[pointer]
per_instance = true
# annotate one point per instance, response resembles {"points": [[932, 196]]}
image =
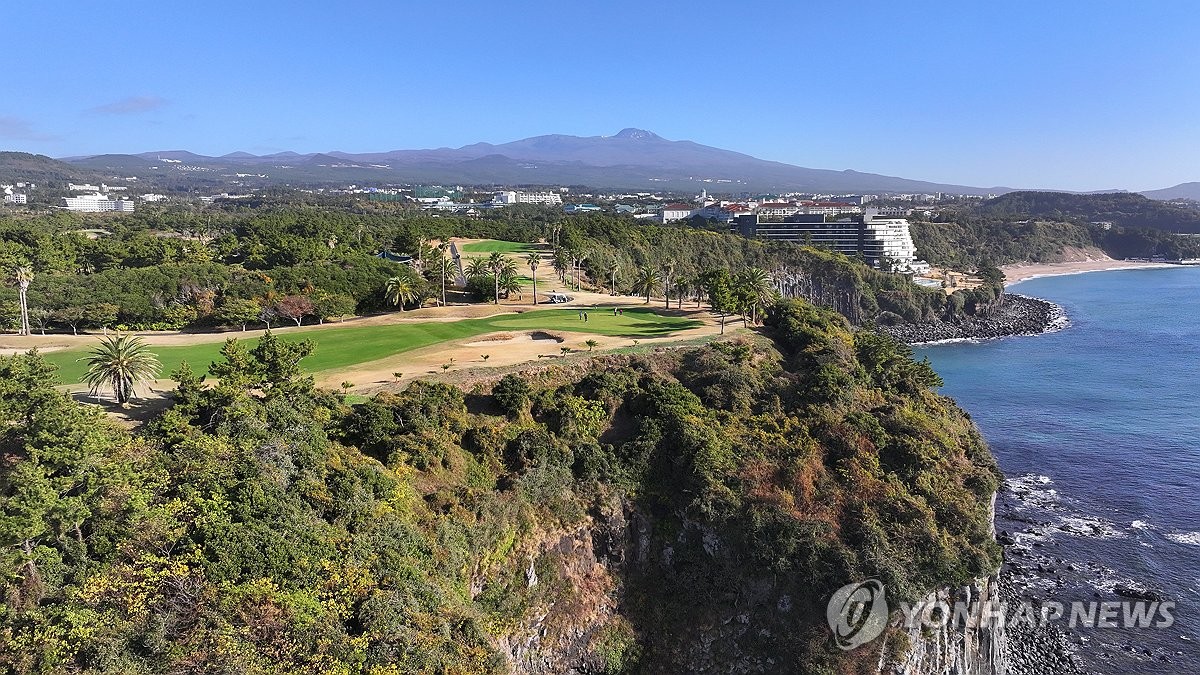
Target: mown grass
{"points": [[352, 345], [489, 245]]}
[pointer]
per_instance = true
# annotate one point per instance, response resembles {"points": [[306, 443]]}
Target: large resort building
{"points": [[883, 242], [96, 203]]}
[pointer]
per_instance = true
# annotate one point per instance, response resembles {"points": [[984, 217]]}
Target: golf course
{"points": [[340, 347]]}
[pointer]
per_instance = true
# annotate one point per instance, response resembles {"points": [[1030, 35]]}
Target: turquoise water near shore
{"points": [[1097, 427]]}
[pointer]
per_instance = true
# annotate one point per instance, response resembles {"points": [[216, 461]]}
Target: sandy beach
{"points": [[1015, 273]]}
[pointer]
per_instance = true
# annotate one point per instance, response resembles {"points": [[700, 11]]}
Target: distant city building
{"points": [[513, 197], [151, 197], [86, 187], [16, 198], [674, 212], [880, 241], [95, 203]]}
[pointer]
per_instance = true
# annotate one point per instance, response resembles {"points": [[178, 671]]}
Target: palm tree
{"points": [[646, 281], [533, 260], [509, 282], [591, 344], [478, 267], [668, 270], [120, 362], [758, 288], [400, 290], [561, 263], [24, 277], [445, 269], [613, 271], [496, 264], [682, 285]]}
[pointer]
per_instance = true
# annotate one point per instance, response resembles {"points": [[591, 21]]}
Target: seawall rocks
{"points": [[1020, 315]]}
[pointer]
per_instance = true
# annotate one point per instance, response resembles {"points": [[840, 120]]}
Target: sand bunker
{"points": [[496, 339]]}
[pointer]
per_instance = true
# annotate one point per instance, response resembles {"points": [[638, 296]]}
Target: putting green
{"points": [[490, 245], [352, 345]]}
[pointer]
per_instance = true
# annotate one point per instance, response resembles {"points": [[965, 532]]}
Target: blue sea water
{"points": [[1097, 428]]}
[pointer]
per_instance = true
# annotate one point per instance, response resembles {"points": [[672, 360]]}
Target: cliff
{"points": [[687, 510]]}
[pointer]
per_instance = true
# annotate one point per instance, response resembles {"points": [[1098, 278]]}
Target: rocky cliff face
{"points": [[952, 649], [592, 625]]}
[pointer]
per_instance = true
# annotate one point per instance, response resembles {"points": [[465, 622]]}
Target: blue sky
{"points": [[1060, 94]]}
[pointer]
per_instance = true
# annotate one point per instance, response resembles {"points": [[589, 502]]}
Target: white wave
{"points": [[1188, 538], [1141, 525], [1090, 526]]}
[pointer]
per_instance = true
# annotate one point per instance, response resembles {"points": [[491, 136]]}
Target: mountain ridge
{"points": [[631, 159]]}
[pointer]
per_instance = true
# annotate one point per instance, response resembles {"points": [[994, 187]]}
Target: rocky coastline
{"points": [[1019, 315]]}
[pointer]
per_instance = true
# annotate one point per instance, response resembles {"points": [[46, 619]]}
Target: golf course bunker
{"points": [[509, 338]]}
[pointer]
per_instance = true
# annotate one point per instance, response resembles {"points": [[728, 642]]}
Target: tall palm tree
{"points": [[120, 362], [400, 290], [612, 270], [756, 285], [496, 264], [646, 281], [445, 268], [668, 270], [24, 277], [561, 263], [533, 260], [683, 284]]}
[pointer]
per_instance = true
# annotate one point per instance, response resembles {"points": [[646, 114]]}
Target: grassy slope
{"points": [[341, 347], [489, 245]]}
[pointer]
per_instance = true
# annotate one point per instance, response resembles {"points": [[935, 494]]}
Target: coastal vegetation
{"points": [[262, 263], [1039, 226], [637, 513]]}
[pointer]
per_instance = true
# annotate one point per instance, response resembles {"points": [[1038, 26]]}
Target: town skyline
{"points": [[1047, 97]]}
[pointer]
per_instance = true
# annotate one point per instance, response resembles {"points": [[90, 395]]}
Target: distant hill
{"points": [[1181, 191], [23, 166], [631, 159], [1126, 209]]}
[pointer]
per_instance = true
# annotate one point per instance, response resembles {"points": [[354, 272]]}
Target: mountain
{"points": [[1181, 191], [1126, 209], [631, 159], [23, 166]]}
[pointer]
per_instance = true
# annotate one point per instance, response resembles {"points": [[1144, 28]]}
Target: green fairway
{"points": [[342, 347], [489, 245]]}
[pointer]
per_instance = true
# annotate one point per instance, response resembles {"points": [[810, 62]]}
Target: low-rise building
{"points": [[16, 198], [675, 212], [96, 203], [514, 197], [581, 208]]}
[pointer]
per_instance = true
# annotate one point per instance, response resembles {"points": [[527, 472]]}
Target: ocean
{"points": [[1097, 427]]}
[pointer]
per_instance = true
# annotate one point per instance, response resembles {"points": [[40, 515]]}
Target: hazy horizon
{"points": [[1073, 96]]}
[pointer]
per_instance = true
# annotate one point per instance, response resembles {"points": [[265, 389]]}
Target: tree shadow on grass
{"points": [[138, 412]]}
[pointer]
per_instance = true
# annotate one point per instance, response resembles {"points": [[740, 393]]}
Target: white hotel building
{"points": [[880, 241], [96, 203], [511, 197]]}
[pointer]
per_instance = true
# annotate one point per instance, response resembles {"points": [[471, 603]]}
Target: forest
{"points": [[270, 260], [1038, 226], [609, 516]]}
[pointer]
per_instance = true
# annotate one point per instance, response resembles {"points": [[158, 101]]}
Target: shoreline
{"points": [[1015, 274], [1019, 315]]}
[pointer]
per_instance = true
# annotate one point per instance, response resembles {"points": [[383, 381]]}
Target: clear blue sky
{"points": [[1070, 94]]}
